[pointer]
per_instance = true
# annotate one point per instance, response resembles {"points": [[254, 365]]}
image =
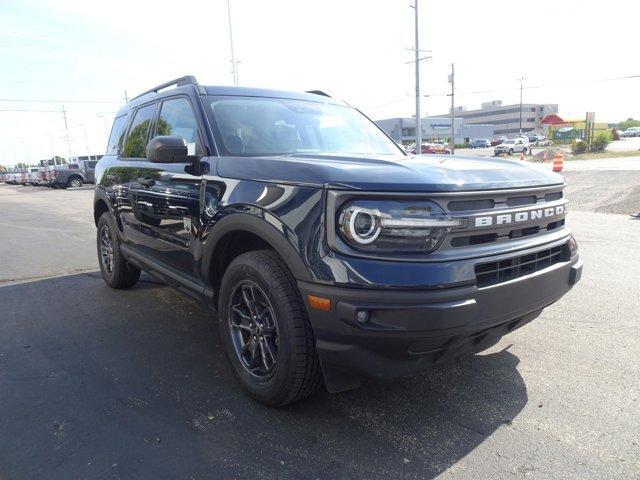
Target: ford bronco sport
{"points": [[329, 254]]}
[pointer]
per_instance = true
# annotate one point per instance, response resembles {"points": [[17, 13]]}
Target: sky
{"points": [[84, 55]]}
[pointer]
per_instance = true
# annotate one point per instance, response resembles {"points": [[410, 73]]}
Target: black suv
{"points": [[328, 252]]}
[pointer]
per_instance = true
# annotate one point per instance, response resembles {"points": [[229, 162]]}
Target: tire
{"points": [[117, 273], [524, 151], [74, 182], [295, 370], [511, 151]]}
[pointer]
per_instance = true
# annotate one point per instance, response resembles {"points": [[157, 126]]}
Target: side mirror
{"points": [[167, 149]]}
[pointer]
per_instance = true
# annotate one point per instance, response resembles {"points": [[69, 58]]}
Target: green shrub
{"points": [[578, 146], [600, 142]]}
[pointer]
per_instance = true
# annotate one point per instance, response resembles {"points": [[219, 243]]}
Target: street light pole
{"points": [[453, 113], [521, 80], [86, 140], [66, 130], [417, 60], [233, 56]]}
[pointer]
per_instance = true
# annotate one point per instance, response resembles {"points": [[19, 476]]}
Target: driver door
{"points": [[166, 197]]}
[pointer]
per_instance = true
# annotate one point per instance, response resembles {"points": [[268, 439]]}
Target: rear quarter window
{"points": [[117, 135]]}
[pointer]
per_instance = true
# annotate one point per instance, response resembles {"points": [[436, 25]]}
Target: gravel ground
{"points": [[603, 191]]}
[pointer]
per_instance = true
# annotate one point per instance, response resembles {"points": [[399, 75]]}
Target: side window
{"points": [[136, 146], [177, 119], [117, 135]]}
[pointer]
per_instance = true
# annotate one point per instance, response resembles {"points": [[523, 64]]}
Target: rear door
{"points": [[166, 197], [90, 171]]}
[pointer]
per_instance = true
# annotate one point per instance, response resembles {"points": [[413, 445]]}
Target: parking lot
{"points": [[99, 383]]}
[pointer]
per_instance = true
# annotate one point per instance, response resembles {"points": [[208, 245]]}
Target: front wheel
{"points": [[265, 330], [511, 151], [116, 271]]}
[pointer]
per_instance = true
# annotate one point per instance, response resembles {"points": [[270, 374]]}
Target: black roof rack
{"points": [[318, 92], [178, 82]]}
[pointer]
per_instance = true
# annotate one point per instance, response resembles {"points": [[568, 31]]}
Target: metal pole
{"points": [[106, 128], [66, 129], [86, 142], [233, 56], [417, 59], [521, 79], [126, 98], [453, 114]]}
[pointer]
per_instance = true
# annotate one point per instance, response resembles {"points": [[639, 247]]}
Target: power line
{"points": [[54, 101], [26, 110], [41, 111], [548, 85], [500, 90]]}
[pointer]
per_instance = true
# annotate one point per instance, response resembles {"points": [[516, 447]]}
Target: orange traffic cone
{"points": [[544, 157], [521, 156], [558, 162]]}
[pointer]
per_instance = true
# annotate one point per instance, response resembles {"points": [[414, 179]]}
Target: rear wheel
{"points": [[511, 151], [116, 271], [265, 330], [74, 182]]}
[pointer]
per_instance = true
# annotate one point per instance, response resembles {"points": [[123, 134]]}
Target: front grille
{"points": [[491, 273]]}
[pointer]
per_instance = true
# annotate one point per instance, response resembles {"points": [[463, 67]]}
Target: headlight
{"points": [[395, 226], [573, 245]]}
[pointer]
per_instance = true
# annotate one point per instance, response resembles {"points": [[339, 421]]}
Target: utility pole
{"points": [[66, 129], [234, 71], [417, 60], [453, 113], [126, 97], [521, 80]]}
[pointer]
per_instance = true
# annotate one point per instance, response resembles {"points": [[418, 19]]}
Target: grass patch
{"points": [[605, 154]]}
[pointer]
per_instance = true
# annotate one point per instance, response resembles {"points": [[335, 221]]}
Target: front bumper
{"points": [[408, 331]]}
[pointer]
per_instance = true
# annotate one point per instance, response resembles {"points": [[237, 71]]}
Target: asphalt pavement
{"points": [[98, 383]]}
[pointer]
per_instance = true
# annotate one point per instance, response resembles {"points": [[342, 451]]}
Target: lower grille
{"points": [[491, 273]]}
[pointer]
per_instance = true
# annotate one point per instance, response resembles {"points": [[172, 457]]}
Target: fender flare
{"points": [[264, 225], [101, 195]]}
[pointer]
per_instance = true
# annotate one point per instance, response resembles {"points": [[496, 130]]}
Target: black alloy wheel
{"points": [[253, 329], [116, 271], [106, 249]]}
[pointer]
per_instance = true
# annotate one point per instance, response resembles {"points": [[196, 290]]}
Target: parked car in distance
{"points": [[480, 143], [497, 141], [434, 148], [631, 132], [330, 255], [516, 145], [32, 176], [75, 174]]}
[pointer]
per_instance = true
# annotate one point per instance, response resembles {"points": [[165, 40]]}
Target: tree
{"points": [[600, 142], [628, 123]]}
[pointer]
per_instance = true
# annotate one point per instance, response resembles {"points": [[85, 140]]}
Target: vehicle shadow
{"points": [[99, 383]]}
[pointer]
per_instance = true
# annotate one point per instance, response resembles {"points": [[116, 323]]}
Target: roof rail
{"points": [[178, 82], [318, 92]]}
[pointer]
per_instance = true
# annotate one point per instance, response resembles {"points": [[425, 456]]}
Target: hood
{"points": [[425, 173]]}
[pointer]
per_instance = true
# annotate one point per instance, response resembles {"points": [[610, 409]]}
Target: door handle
{"points": [[146, 181]]}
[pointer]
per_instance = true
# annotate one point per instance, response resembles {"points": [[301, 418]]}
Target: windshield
{"points": [[250, 126]]}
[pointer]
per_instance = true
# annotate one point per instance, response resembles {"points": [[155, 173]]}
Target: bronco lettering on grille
{"points": [[508, 218]]}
